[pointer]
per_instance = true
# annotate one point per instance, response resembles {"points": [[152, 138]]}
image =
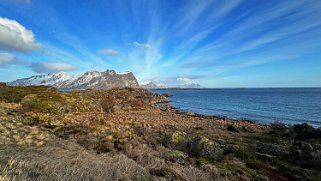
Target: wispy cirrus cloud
{"points": [[108, 52], [261, 37], [142, 45]]}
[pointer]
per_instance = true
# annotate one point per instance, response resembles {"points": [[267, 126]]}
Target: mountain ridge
{"points": [[89, 80]]}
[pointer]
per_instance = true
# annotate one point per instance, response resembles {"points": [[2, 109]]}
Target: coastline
{"points": [[263, 106], [122, 133]]}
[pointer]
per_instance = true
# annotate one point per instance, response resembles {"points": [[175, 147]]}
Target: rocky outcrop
{"points": [[199, 146], [306, 154], [305, 131]]}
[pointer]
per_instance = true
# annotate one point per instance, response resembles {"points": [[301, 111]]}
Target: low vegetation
{"points": [[119, 134]]}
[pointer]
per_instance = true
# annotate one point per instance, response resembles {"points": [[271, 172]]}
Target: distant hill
{"points": [[90, 80], [179, 82]]}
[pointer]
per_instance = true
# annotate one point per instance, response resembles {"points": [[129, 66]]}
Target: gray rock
{"points": [[232, 129], [180, 141], [306, 154], [203, 147]]}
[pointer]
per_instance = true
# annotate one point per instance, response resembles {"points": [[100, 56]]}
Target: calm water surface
{"points": [[289, 105]]}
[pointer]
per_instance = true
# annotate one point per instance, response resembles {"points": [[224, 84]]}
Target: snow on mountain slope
{"points": [[49, 79], [89, 80], [178, 82]]}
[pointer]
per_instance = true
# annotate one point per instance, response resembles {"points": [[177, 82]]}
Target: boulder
{"points": [[179, 141], [203, 147], [232, 129], [306, 154]]}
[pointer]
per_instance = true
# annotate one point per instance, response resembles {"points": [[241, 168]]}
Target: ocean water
{"points": [[266, 105]]}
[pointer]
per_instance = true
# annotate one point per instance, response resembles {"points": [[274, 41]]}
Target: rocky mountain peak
{"points": [[89, 80]]}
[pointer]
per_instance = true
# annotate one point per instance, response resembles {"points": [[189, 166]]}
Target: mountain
{"points": [[50, 79], [178, 82], [148, 85], [89, 80]]}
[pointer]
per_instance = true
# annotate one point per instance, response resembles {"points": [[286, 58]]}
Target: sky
{"points": [[232, 43]]}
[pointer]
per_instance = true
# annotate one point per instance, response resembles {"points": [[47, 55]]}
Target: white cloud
{"points": [[141, 45], [108, 52], [38, 67], [8, 59], [17, 1], [15, 37]]}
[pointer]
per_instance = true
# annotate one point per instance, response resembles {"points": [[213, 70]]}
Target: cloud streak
{"points": [[39, 67], [142, 45], [7, 59], [108, 52]]}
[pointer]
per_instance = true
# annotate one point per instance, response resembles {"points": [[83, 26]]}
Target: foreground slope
{"points": [[119, 134]]}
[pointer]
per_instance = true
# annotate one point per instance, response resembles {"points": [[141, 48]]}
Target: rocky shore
{"points": [[124, 134]]}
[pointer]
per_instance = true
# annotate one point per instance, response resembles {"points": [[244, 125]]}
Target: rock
{"points": [[232, 129], [180, 141], [190, 114], [271, 149], [167, 95], [281, 129], [305, 131], [157, 98], [175, 156], [165, 107], [306, 154], [203, 147]]}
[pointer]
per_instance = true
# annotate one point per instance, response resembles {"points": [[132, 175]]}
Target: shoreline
{"points": [[113, 130], [179, 110]]}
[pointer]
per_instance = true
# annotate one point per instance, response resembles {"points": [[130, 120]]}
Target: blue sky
{"points": [[232, 43]]}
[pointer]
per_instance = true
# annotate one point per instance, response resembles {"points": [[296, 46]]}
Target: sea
{"points": [[262, 105]]}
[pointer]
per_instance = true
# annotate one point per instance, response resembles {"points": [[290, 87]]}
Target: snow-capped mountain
{"points": [[148, 85], [89, 80], [100, 80], [49, 79], [178, 82]]}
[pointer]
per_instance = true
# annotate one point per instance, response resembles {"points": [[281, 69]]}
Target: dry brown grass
{"points": [[64, 160]]}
